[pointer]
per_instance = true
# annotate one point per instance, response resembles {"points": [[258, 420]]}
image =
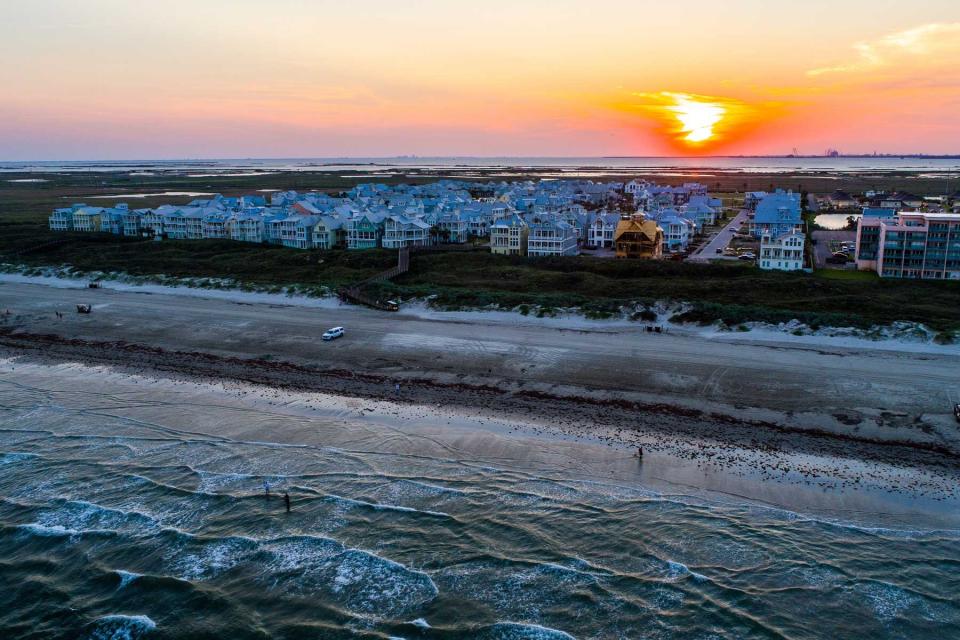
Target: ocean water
{"points": [[584, 167], [134, 510]]}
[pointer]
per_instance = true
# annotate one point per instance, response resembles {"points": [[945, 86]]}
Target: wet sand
{"points": [[820, 477]]}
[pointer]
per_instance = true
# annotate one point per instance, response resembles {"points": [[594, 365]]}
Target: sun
{"points": [[697, 118]]}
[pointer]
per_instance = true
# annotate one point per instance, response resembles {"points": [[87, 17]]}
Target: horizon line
{"points": [[934, 156]]}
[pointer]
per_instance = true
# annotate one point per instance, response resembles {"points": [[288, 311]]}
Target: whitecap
{"points": [[351, 502], [14, 456], [80, 516], [677, 570], [518, 631], [366, 582], [126, 577], [46, 530], [205, 559], [120, 627], [300, 552], [420, 622]]}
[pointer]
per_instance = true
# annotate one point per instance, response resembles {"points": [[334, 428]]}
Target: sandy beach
{"points": [[718, 414]]}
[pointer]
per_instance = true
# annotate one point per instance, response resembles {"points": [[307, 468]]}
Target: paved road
{"points": [[482, 347], [720, 241]]}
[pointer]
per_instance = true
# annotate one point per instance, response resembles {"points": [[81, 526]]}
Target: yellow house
{"points": [[637, 237], [509, 236]]}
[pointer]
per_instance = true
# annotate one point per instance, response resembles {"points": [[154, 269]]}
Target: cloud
{"points": [[929, 44]]}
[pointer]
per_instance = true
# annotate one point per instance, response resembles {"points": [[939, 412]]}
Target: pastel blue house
{"points": [[777, 214], [677, 230]]}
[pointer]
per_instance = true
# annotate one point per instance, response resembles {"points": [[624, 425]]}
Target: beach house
{"points": [[133, 222], [364, 231], [87, 218], [677, 230], [601, 229], [777, 214], [247, 227], [62, 219], [402, 231], [329, 233], [782, 253], [508, 236], [451, 228], [549, 236], [216, 225], [638, 237]]}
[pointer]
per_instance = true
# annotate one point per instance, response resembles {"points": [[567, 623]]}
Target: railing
{"points": [[353, 293]]}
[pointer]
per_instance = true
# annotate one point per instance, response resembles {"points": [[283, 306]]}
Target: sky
{"points": [[139, 79]]}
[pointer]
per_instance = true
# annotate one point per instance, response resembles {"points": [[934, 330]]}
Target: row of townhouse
{"points": [[909, 244], [558, 216], [542, 236], [633, 236]]}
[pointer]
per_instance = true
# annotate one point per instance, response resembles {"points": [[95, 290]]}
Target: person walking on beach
{"points": [[397, 388], [639, 454], [286, 500]]}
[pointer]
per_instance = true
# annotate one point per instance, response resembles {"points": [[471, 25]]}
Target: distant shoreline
{"points": [[368, 159]]}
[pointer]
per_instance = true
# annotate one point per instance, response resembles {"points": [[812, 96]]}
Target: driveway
{"points": [[822, 249]]}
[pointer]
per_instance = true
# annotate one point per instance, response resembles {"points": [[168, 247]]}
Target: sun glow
{"points": [[697, 119]]}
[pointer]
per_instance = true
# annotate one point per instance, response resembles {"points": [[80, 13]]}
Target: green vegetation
{"points": [[731, 292], [847, 274], [246, 263], [728, 291]]}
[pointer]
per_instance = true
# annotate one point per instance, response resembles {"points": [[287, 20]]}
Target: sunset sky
{"points": [[120, 79]]}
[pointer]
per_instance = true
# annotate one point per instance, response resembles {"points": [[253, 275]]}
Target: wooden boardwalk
{"points": [[353, 293]]}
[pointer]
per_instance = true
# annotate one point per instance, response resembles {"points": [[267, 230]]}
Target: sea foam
{"points": [[120, 627]]}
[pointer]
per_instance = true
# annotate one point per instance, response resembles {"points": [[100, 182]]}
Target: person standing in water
{"points": [[286, 500], [266, 489]]}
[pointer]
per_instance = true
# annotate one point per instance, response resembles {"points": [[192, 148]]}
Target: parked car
{"points": [[747, 256], [333, 334], [838, 258]]}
